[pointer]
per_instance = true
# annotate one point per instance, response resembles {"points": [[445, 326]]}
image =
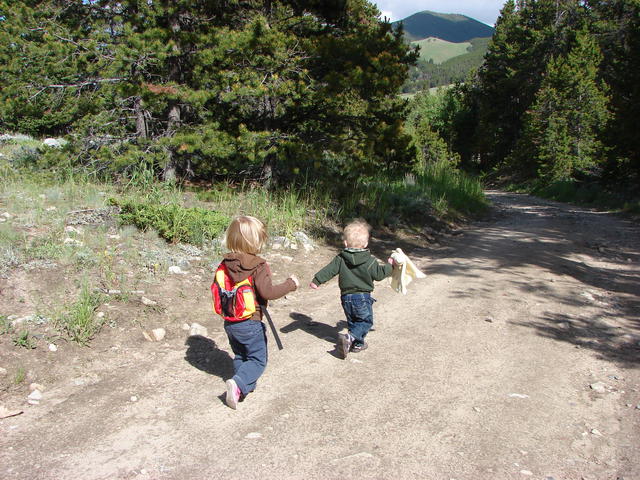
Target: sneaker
{"points": [[233, 394], [344, 343], [358, 347]]}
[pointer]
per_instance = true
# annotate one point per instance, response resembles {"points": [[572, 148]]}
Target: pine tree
{"points": [[562, 129]]}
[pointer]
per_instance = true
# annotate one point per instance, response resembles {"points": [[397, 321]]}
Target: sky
{"points": [[485, 11]]}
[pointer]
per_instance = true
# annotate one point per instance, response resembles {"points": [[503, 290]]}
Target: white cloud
{"points": [[387, 14], [486, 11]]}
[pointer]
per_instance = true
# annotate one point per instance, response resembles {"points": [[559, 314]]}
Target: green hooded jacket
{"points": [[356, 268]]}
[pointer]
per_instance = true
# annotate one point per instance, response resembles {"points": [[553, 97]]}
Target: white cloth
{"points": [[404, 271]]}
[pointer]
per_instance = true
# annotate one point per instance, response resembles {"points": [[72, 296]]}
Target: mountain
{"points": [[450, 27]]}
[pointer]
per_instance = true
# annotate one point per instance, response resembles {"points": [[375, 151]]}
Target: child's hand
{"points": [[391, 261], [295, 280], [313, 285]]}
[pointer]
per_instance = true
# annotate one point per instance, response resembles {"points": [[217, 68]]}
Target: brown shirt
{"points": [[242, 265]]}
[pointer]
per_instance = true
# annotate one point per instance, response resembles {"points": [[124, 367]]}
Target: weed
{"points": [[24, 339], [79, 321], [5, 325], [20, 375]]}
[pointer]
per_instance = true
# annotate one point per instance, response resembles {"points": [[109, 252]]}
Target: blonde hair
{"points": [[356, 233], [245, 234]]}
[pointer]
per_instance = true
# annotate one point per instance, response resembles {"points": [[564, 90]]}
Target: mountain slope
{"points": [[450, 27]]}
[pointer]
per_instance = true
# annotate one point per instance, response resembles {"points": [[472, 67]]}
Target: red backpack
{"points": [[233, 301]]}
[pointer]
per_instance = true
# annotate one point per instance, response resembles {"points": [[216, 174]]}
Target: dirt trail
{"points": [[483, 372]]}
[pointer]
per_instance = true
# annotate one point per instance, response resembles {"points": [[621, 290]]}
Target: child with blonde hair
{"points": [[357, 269], [245, 238]]}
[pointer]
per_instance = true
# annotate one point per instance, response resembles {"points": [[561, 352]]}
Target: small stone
{"points": [[518, 395], [51, 209], [72, 229], [31, 401], [148, 302], [100, 314], [53, 347], [489, 319], [526, 472], [186, 326], [598, 387], [476, 409], [114, 237], [596, 432], [36, 386], [253, 435], [114, 292], [629, 405], [287, 258], [35, 395], [176, 270], [3, 372], [197, 329], [133, 398], [73, 242], [7, 215], [158, 334]]}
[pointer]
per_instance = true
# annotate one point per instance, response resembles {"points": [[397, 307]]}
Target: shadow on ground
{"points": [[563, 241], [204, 354]]}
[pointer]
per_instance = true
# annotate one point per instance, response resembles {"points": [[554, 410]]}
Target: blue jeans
{"points": [[248, 341], [358, 308]]}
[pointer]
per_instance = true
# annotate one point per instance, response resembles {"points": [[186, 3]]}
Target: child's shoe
{"points": [[358, 347], [344, 343], [233, 394]]}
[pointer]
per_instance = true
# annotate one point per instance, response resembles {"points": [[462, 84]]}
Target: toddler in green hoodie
{"points": [[357, 269]]}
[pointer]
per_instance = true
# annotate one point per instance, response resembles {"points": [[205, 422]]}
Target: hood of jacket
{"points": [[241, 265], [355, 256]]}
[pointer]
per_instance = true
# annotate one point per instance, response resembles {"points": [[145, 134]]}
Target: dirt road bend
{"points": [[517, 357]]}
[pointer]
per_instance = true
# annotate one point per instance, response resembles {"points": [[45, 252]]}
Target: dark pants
{"points": [[358, 308], [248, 341]]}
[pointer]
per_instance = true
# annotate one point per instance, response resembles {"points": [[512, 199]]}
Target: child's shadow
{"points": [[323, 331], [204, 354]]}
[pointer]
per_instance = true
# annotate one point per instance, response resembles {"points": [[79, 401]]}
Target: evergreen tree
{"points": [[211, 88]]}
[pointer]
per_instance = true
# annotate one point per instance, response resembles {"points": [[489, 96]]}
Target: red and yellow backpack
{"points": [[233, 301]]}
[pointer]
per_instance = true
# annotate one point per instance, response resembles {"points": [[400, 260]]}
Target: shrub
{"points": [[173, 222]]}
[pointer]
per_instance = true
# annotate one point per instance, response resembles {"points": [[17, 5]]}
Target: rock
{"points": [[176, 270], [148, 302], [133, 398], [184, 264], [6, 413], [158, 334], [185, 326], [3, 372], [73, 242], [54, 142], [53, 347], [253, 435], [489, 319], [280, 242], [526, 472], [197, 329], [100, 314], [304, 240], [7, 215], [36, 386], [518, 395], [72, 229], [598, 387], [596, 432], [51, 208], [35, 395]]}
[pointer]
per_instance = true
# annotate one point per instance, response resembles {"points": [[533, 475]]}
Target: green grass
{"points": [[441, 191], [24, 339], [439, 50], [78, 320], [284, 212]]}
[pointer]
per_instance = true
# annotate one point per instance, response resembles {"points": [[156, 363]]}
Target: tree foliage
{"points": [[209, 88]]}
